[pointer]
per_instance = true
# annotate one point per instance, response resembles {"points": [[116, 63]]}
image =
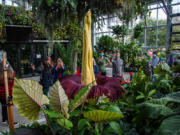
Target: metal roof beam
{"points": [[165, 6]]}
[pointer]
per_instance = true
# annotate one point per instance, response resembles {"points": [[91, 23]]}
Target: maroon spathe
{"points": [[111, 87]]}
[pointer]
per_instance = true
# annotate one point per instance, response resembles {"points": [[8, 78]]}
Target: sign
{"points": [[38, 56]]}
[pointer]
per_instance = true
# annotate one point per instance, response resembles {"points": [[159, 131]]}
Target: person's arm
{"points": [[150, 62], [158, 60], [41, 78], [108, 62]]}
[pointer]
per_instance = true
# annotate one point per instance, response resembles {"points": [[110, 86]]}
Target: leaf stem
{"points": [[47, 121]]}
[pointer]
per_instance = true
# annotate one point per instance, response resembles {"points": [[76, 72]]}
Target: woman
{"points": [[10, 76], [102, 64], [49, 60], [58, 70], [46, 79]]}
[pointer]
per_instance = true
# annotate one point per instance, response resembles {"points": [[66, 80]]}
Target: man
{"points": [[154, 62], [117, 64]]}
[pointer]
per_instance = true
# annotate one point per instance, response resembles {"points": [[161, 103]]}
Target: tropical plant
{"points": [[138, 29], [63, 11], [58, 100], [106, 44], [99, 115], [156, 114], [130, 52], [34, 98], [32, 95], [119, 32]]}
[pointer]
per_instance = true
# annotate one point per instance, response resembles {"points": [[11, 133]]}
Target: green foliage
{"points": [[155, 108], [116, 127], [144, 63], [80, 97], [138, 29], [163, 69], [100, 116], [106, 44], [65, 55], [33, 97], [163, 79], [64, 11], [170, 126], [119, 31], [59, 100], [65, 123], [53, 114], [130, 52], [153, 114], [84, 126]]}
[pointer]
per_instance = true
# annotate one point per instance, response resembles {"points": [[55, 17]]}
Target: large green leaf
{"points": [[52, 114], [111, 108], [99, 115], [59, 100], [174, 97], [116, 127], [155, 108], [170, 126], [83, 125], [162, 69], [80, 97], [28, 98], [65, 123]]}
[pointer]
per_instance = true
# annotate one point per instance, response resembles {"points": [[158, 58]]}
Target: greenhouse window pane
{"points": [[175, 38], [152, 18], [176, 9], [176, 29], [162, 17], [8, 2], [175, 1], [161, 36], [175, 19], [153, 6], [151, 36]]}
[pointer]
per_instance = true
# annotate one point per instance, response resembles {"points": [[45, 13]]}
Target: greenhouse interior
{"points": [[90, 67]]}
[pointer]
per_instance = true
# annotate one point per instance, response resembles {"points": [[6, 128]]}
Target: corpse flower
{"points": [[110, 87]]}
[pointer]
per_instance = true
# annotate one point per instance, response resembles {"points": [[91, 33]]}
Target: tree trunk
{"points": [[74, 61]]}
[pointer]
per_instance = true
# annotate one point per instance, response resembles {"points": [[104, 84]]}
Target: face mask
{"points": [[100, 54], [154, 55]]}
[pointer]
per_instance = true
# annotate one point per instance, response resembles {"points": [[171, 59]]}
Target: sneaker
{"points": [[5, 123]]}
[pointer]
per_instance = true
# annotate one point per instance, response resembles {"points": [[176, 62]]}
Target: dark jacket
{"points": [[58, 73], [46, 79]]}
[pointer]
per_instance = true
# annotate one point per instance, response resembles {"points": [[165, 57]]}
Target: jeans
{"points": [[4, 110]]}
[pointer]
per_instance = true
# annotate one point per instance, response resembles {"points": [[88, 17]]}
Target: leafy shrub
{"points": [[106, 44]]}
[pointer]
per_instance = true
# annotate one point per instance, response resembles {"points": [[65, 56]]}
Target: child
{"points": [[46, 79]]}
